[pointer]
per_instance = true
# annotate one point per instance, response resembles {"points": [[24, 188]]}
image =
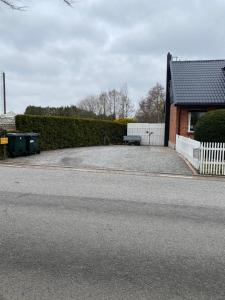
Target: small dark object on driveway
{"points": [[132, 140]]}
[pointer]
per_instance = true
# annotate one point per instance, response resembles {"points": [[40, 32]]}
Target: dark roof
{"points": [[199, 82]]}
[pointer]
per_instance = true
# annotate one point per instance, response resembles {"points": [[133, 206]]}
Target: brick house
{"points": [[193, 88]]}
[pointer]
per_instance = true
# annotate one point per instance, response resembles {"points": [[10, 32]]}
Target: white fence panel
{"points": [[212, 160], [7, 121], [208, 158], [143, 130], [190, 149]]}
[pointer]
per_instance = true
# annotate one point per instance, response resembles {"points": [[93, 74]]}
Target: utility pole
{"points": [[4, 93], [4, 111]]}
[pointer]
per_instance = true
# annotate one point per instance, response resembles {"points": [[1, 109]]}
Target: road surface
{"points": [[69, 234]]}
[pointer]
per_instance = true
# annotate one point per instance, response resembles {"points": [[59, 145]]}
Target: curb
{"points": [[193, 170], [114, 171]]}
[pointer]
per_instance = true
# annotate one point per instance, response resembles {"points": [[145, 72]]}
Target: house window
{"points": [[193, 118]]}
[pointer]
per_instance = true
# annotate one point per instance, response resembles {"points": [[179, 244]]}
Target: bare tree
{"points": [[151, 108], [90, 104], [126, 107], [113, 103], [114, 98], [98, 105], [104, 101], [13, 4]]}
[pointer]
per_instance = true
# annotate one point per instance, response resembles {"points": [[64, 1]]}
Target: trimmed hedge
{"points": [[1, 152], [66, 132], [1, 146], [211, 127]]}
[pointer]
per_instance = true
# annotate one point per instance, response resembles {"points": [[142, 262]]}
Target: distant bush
{"points": [[125, 120], [65, 132], [64, 111], [211, 127]]}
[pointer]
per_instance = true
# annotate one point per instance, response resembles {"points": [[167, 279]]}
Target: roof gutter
{"points": [[167, 105], [184, 104]]}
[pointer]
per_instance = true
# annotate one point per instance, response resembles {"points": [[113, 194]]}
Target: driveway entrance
{"points": [[129, 158]]}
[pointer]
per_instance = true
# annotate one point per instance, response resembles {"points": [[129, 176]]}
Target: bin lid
{"points": [[33, 134], [16, 134]]}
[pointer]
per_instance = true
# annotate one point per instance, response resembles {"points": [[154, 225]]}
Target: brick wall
{"points": [[178, 123], [180, 115], [184, 124]]}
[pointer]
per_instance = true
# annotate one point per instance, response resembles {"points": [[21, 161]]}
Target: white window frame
{"points": [[189, 122], [189, 119]]}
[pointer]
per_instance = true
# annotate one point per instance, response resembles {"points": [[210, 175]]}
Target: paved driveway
{"points": [[130, 158]]}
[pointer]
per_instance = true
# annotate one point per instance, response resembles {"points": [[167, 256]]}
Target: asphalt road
{"points": [[67, 234]]}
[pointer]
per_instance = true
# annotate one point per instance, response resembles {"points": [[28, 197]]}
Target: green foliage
{"points": [[2, 134], [125, 120], [65, 132], [63, 111], [211, 127], [1, 152]]}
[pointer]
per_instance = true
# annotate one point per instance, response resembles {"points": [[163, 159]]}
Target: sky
{"points": [[55, 55]]}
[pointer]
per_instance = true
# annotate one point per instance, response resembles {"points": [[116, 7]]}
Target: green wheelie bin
{"points": [[33, 143], [17, 144]]}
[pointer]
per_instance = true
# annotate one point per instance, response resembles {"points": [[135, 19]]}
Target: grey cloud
{"points": [[54, 55], [189, 32], [128, 13]]}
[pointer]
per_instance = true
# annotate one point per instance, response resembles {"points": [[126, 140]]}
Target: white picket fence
{"points": [[207, 158], [212, 159], [155, 130]]}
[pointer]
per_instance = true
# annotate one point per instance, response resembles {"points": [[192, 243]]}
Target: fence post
{"points": [[204, 156], [201, 159], [217, 158], [223, 159]]}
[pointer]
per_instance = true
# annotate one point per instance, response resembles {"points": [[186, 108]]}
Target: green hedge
{"points": [[1, 152], [211, 127], [2, 134], [65, 132]]}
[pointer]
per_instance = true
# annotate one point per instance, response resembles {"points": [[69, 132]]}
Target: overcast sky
{"points": [[54, 55]]}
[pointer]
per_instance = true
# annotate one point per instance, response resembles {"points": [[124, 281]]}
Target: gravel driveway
{"points": [[130, 158]]}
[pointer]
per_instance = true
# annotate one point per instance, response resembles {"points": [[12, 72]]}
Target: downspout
{"points": [[167, 106]]}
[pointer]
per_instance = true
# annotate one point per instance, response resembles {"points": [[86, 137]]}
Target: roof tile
{"points": [[198, 82]]}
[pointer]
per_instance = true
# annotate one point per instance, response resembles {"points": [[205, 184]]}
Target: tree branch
{"points": [[11, 4], [68, 2]]}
